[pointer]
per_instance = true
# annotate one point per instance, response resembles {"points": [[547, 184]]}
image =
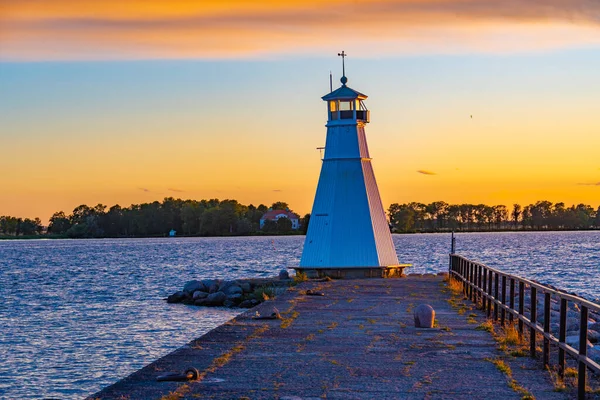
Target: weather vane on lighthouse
{"points": [[348, 234], [344, 79]]}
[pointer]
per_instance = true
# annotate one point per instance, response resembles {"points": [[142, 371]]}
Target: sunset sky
{"points": [[129, 101]]}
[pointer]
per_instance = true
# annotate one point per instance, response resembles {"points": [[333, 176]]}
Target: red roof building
{"points": [[274, 215]]}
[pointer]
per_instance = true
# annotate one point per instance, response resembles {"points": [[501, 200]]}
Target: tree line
{"points": [[187, 217], [228, 218], [440, 216]]}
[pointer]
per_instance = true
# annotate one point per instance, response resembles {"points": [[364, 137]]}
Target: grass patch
{"points": [[177, 394], [522, 352], [455, 286], [509, 336], [300, 277], [264, 293], [286, 322], [487, 326], [512, 383], [571, 372]]}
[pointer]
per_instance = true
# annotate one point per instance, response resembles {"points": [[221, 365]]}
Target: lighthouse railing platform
{"points": [[488, 287]]}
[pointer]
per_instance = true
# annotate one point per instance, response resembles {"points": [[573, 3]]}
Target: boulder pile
{"points": [[243, 293]]}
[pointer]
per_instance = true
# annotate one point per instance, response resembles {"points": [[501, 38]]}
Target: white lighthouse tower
{"points": [[348, 234]]}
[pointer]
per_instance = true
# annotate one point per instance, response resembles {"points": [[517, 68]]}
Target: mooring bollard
{"points": [[190, 374], [424, 316]]}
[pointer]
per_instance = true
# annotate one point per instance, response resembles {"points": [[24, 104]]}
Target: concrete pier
{"points": [[356, 342]]}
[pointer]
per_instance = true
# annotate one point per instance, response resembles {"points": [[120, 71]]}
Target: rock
{"points": [[249, 303], [594, 353], [217, 298], [246, 288], [226, 285], [208, 283], [213, 288], [284, 274], [192, 286], [594, 327], [573, 340], [229, 303], [176, 297], [202, 302], [424, 316], [593, 336], [234, 296], [199, 295], [572, 324], [233, 290]]}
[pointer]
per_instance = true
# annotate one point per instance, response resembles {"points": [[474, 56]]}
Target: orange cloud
{"points": [[134, 29]]}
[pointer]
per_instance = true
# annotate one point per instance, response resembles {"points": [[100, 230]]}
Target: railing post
{"points": [[512, 300], [521, 306], [496, 297], [562, 336], [533, 308], [546, 329], [503, 311], [480, 292], [484, 293], [489, 310], [471, 279], [464, 275], [583, 335]]}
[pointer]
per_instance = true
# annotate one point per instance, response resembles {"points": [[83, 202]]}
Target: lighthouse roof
{"points": [[344, 92]]}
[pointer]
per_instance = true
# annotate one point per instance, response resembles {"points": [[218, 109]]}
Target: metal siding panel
{"points": [[383, 237], [342, 142], [318, 237], [353, 240], [362, 142]]}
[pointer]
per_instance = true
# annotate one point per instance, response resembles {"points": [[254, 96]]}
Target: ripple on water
{"points": [[78, 315]]}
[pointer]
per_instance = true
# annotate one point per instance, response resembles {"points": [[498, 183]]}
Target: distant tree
{"points": [[280, 205], [269, 226], [597, 220], [304, 223], [516, 214], [284, 225], [59, 223]]}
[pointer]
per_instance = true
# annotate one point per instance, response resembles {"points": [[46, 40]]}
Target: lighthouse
{"points": [[348, 234]]}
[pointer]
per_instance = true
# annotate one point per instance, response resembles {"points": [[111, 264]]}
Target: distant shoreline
{"points": [[270, 234]]}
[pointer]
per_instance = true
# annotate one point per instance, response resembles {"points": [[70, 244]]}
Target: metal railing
{"points": [[489, 286]]}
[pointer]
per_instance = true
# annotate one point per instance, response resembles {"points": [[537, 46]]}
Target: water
{"points": [[77, 315]]}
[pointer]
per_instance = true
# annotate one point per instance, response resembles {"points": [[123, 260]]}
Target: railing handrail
{"points": [[477, 279], [539, 286]]}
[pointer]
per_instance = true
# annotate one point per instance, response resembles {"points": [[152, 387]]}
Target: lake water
{"points": [[77, 315]]}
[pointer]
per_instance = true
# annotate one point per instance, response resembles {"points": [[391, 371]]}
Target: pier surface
{"points": [[356, 342]]}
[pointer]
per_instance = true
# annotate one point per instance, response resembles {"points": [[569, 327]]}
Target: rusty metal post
{"points": [[511, 300], [546, 329], [484, 300], [521, 306], [496, 297], [533, 309], [583, 337], [471, 275], [489, 310], [503, 311], [480, 291], [562, 336]]}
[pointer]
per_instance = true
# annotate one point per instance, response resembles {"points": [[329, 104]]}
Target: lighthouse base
{"points": [[392, 271]]}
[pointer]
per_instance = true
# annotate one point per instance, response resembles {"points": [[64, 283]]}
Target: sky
{"points": [[129, 101]]}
